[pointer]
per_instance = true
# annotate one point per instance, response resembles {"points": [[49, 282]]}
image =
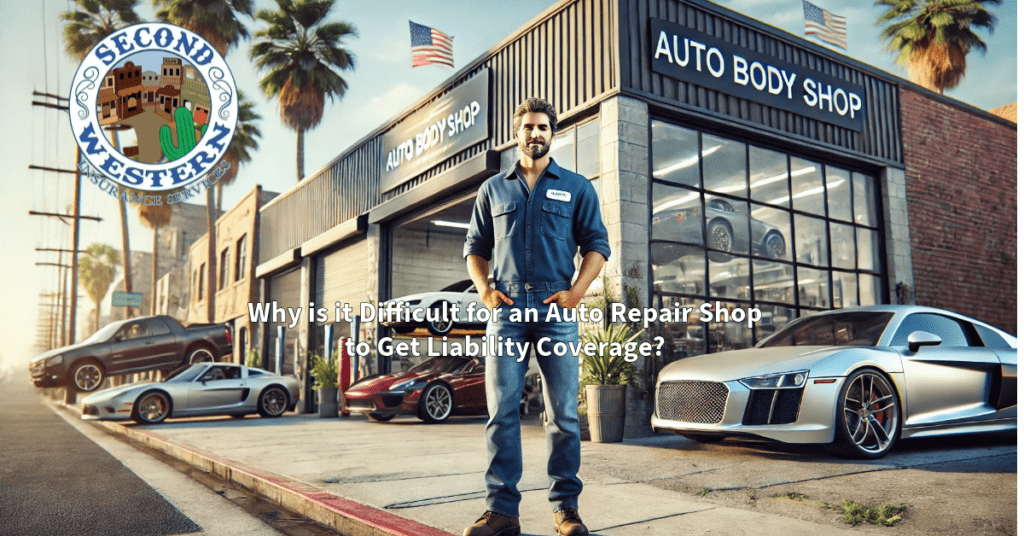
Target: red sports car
{"points": [[433, 391]]}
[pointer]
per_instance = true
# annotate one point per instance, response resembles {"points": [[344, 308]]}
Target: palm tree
{"points": [[216, 21], [91, 22], [247, 134], [300, 52], [154, 217], [97, 270], [933, 37]]}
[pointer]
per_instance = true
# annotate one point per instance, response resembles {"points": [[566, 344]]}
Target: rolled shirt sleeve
{"points": [[480, 237], [589, 229]]}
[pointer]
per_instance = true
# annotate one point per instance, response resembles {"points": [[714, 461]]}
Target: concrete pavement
{"points": [[405, 477]]}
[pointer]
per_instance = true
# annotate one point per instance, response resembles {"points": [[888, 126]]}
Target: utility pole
{"points": [[62, 103]]}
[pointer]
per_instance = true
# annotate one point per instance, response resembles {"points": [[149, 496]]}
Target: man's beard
{"points": [[534, 151]]}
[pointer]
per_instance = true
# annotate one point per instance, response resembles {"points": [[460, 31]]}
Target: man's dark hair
{"points": [[534, 105]]}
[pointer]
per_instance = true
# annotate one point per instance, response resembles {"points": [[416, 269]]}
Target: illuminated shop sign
{"points": [[691, 56], [441, 129]]}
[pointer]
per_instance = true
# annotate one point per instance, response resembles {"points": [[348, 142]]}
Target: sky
{"points": [[382, 85]]}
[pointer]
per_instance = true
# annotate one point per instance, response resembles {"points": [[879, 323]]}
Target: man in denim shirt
{"points": [[534, 216]]}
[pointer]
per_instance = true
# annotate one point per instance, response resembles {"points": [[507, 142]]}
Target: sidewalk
{"points": [[408, 478]]}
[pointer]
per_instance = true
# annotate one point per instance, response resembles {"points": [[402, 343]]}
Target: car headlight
{"points": [[55, 360], [410, 385], [785, 380]]}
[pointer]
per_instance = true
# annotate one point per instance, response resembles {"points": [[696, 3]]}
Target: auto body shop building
{"points": [[735, 163]]}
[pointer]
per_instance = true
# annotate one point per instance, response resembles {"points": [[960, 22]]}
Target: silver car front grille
{"points": [[692, 401]]}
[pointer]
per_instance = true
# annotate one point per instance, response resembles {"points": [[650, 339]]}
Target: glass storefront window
{"points": [[811, 241], [725, 166], [868, 254], [837, 181], [725, 336], [842, 247], [844, 289], [730, 279], [812, 287], [749, 226], [769, 177], [808, 190], [864, 195], [771, 234], [588, 150], [728, 225], [563, 148], [674, 157], [773, 282], [678, 268], [682, 339], [675, 215], [871, 289], [773, 318]]}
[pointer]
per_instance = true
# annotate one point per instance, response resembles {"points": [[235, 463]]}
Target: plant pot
{"points": [[328, 401], [606, 412]]}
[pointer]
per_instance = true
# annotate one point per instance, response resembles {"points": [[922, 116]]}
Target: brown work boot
{"points": [[568, 523], [493, 524]]}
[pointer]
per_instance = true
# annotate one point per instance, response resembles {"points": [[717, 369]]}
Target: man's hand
{"points": [[565, 298], [492, 298]]}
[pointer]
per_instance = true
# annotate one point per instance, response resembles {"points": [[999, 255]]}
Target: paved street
{"points": [[53, 480]]}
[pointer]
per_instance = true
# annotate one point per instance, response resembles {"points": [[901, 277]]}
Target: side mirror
{"points": [[118, 338], [918, 339]]}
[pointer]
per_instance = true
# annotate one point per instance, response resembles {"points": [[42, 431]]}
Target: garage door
{"points": [[341, 277]]}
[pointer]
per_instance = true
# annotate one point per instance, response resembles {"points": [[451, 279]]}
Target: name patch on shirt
{"points": [[559, 195]]}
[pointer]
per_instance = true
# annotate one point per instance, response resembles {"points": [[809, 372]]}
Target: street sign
{"points": [[126, 299]]}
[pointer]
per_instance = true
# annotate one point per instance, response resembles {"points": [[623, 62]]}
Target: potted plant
{"points": [[325, 380], [605, 377], [253, 359]]}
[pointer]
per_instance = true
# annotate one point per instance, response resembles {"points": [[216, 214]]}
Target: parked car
{"points": [[200, 389], [128, 346], [722, 221], [462, 294], [853, 379], [433, 391]]}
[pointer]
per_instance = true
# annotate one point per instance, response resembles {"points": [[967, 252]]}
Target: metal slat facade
{"points": [[879, 140], [345, 189]]}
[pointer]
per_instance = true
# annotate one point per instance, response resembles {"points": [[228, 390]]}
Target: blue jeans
{"points": [[505, 378]]}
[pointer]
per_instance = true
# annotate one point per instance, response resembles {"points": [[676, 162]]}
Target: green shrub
{"points": [[324, 371], [253, 359], [602, 367]]}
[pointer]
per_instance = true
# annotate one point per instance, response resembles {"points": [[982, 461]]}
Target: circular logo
{"points": [[153, 107]]}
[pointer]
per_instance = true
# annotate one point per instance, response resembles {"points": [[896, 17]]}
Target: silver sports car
{"points": [[196, 390], [854, 379]]}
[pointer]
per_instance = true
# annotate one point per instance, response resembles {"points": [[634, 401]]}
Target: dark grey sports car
{"points": [[197, 390], [726, 232]]}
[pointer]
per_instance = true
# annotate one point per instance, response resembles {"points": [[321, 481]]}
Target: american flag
{"points": [[430, 46], [824, 25]]}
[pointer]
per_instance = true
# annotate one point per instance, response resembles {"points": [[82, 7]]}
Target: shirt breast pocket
{"points": [[504, 217], [557, 220]]}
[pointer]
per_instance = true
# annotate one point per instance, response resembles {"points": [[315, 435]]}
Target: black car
{"points": [[129, 346]]}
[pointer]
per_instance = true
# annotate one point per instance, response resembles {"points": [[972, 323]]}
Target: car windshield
{"points": [[860, 328], [440, 364], [104, 333], [458, 287], [186, 373]]}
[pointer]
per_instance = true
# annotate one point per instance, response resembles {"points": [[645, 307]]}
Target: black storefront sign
{"points": [[691, 56], [449, 125]]}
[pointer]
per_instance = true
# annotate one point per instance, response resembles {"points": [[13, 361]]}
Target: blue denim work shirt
{"points": [[535, 235]]}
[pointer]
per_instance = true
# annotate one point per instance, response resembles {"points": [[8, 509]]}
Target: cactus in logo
{"points": [[186, 135]]}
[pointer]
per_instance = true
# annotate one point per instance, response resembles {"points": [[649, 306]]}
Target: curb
{"points": [[345, 516]]}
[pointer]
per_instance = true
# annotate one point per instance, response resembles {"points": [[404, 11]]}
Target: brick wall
{"points": [[962, 199]]}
